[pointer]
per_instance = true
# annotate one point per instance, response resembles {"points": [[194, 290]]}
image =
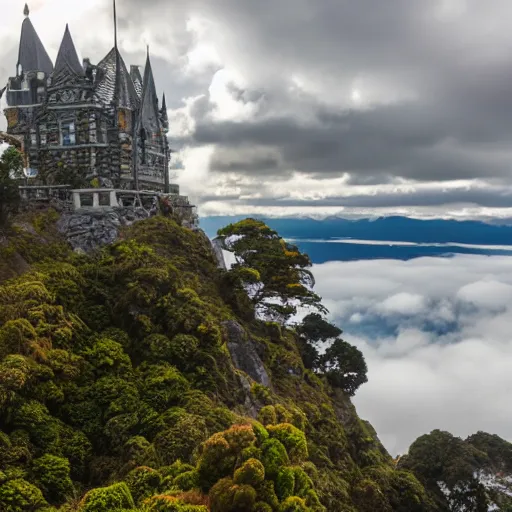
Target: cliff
{"points": [[137, 377]]}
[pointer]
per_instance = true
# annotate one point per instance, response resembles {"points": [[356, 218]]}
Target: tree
{"points": [[344, 366], [275, 273], [313, 331], [11, 169]]}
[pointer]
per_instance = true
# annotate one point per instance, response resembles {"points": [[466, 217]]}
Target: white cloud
{"points": [[436, 336]]}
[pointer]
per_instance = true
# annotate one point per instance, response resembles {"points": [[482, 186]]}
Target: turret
{"points": [[67, 64], [163, 115], [32, 69]]}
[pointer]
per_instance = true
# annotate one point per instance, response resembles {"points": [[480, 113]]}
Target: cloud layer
{"points": [[403, 107], [436, 336]]}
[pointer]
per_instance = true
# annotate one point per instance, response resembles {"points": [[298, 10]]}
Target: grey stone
{"points": [[88, 231], [244, 354]]}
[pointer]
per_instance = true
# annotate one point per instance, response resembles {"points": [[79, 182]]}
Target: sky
{"points": [[317, 108]]}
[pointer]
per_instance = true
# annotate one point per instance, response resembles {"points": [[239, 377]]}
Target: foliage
{"points": [[11, 170], [105, 499], [275, 272], [117, 389], [344, 366]]}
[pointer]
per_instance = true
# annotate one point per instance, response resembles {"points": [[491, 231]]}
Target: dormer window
{"points": [[67, 133]]}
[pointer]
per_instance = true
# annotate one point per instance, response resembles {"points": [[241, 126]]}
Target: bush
{"points": [[106, 499], [274, 456], [168, 503], [251, 473], [292, 438], [285, 483], [143, 482], [187, 481], [294, 504], [20, 496], [267, 415], [52, 475]]}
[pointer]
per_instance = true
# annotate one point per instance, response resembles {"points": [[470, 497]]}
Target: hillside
{"points": [[138, 378]]}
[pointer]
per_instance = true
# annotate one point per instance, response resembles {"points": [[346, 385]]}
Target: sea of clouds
{"points": [[437, 337]]}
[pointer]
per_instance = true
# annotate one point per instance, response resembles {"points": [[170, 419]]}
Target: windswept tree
{"points": [[342, 363], [11, 169], [275, 273]]}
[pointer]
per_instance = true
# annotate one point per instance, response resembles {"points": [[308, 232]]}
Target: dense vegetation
{"points": [[118, 391]]}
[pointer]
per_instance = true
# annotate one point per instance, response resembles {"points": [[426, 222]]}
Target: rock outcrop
{"points": [[244, 354], [87, 231]]}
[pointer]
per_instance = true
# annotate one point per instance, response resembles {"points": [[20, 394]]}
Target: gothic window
{"points": [[67, 133], [33, 137]]}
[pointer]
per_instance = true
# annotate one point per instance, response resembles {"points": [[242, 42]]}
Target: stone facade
{"points": [[86, 125]]}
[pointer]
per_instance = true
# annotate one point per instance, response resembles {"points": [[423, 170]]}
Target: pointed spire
{"points": [[115, 24], [149, 113], [67, 58], [136, 79], [116, 84], [32, 55], [163, 114]]}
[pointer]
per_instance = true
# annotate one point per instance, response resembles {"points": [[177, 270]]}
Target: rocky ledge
{"points": [[88, 230]]}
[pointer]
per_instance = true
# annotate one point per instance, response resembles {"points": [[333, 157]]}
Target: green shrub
{"points": [[143, 482], [295, 504], [292, 438], [106, 499], [52, 476], [274, 456], [226, 496], [251, 473], [168, 503], [261, 506], [187, 481], [19, 495], [172, 444], [267, 415], [285, 483]]}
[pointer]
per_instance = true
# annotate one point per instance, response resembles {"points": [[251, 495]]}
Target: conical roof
{"points": [[136, 79], [32, 55], [115, 83], [149, 115], [67, 58]]}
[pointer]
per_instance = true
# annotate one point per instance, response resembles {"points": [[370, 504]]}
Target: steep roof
{"points": [[67, 58], [32, 55], [115, 83], [136, 79], [163, 113], [149, 115]]}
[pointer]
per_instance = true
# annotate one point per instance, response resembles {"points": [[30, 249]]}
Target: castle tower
{"points": [[87, 125], [152, 160]]}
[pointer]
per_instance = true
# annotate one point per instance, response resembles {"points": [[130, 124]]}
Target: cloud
{"points": [[383, 106], [436, 336]]}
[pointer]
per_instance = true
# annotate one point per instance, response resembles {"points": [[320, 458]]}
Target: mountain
{"points": [[136, 377]]}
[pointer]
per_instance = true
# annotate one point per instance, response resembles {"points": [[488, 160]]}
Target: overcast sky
{"points": [[296, 106]]}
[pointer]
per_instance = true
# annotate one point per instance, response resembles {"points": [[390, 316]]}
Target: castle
{"points": [[87, 126]]}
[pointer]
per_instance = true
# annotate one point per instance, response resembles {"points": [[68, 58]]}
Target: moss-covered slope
{"points": [[118, 390]]}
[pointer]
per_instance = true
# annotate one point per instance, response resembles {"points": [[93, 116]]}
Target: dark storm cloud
{"points": [[458, 125], [437, 76]]}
